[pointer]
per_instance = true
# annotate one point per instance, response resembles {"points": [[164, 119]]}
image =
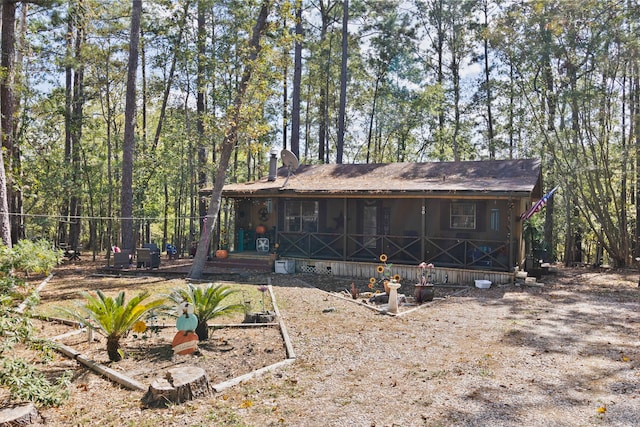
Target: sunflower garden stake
{"points": [[186, 340], [385, 270]]}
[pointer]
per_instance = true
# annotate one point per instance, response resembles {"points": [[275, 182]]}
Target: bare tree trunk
{"points": [[5, 224], [108, 118], [487, 82], [372, 117], [343, 81], [63, 225], [126, 196], [323, 108], [285, 89], [7, 103], [297, 81], [438, 14], [624, 220], [635, 125], [307, 126], [200, 106], [550, 97], [75, 205], [165, 214], [228, 144]]}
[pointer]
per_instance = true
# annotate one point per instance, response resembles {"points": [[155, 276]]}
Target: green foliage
{"points": [[26, 256], [25, 382], [208, 301], [112, 317], [8, 283], [14, 328], [533, 231], [30, 257]]}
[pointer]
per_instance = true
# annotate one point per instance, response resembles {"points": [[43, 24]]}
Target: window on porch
{"points": [[301, 216], [463, 216], [495, 220]]}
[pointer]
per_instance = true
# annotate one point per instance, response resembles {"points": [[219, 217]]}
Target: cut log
{"points": [[176, 386], [19, 415]]}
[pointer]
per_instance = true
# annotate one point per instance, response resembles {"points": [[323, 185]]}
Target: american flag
{"points": [[538, 205]]}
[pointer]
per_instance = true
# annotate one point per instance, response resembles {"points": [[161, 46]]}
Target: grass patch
{"points": [[57, 294]]}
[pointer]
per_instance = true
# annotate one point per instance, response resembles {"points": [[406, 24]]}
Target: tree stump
{"points": [[178, 385], [19, 415]]}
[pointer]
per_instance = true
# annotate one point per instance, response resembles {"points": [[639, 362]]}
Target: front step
{"points": [[521, 277], [245, 263]]}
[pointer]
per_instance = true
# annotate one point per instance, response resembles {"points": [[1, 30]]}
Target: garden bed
{"points": [[230, 351]]}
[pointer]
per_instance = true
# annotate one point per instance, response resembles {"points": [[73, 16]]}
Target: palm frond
{"points": [[206, 299], [111, 316]]}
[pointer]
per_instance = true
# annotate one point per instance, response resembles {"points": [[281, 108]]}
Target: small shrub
{"points": [[208, 302], [37, 257], [23, 380], [14, 328], [26, 383], [112, 317], [28, 257]]}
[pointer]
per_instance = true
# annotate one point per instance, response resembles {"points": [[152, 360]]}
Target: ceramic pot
{"points": [[424, 293]]}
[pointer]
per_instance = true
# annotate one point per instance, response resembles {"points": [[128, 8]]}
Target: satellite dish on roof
{"points": [[290, 161]]}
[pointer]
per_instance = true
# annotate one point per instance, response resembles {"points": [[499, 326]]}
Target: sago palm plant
{"points": [[208, 303], [112, 317]]}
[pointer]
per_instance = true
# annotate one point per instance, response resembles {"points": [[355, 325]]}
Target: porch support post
{"points": [[423, 228], [510, 233], [344, 228]]}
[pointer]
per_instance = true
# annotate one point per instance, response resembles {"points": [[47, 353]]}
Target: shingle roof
{"points": [[491, 176]]}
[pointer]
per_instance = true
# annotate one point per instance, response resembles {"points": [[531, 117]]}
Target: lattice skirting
{"points": [[316, 268], [308, 269]]}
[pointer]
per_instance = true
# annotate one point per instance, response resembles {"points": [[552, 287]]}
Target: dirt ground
{"points": [[564, 352]]}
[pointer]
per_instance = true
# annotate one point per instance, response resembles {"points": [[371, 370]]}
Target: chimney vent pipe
{"points": [[273, 166]]}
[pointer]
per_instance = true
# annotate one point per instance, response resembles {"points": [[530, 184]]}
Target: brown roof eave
{"points": [[377, 194]]}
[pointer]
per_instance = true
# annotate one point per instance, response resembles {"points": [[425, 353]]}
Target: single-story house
{"points": [[456, 215]]}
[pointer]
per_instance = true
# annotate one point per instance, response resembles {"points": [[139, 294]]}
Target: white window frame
{"points": [[301, 216], [462, 216]]}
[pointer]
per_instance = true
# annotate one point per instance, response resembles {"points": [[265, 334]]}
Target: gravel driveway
{"points": [[562, 353]]}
